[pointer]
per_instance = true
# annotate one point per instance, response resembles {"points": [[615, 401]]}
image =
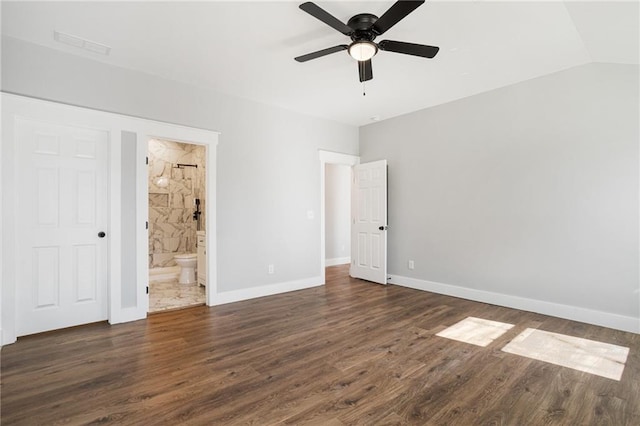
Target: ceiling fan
{"points": [[363, 29]]}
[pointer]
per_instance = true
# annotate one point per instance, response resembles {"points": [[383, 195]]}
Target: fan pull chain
{"points": [[364, 93]]}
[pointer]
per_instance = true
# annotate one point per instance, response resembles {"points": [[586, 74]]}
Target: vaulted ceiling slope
{"points": [[246, 49]]}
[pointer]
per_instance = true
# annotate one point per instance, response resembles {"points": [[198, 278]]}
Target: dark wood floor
{"points": [[346, 353]]}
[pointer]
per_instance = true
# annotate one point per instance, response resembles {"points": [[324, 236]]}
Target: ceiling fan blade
{"points": [[365, 70], [395, 14], [321, 14], [408, 48], [320, 53]]}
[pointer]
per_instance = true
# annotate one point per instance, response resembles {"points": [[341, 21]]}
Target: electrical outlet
{"points": [[271, 269], [410, 264]]}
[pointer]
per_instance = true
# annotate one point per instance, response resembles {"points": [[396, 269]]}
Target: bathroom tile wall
{"points": [[172, 229]]}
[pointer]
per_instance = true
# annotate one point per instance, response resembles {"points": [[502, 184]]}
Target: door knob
{"points": [[382, 228], [101, 234]]}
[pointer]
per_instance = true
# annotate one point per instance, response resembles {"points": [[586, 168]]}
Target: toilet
{"points": [[187, 263]]}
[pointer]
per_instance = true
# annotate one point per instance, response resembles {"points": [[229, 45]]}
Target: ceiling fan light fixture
{"points": [[363, 50], [363, 29]]}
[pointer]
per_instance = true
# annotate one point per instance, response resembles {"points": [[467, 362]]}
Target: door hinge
{"points": [[147, 160], [146, 225], [147, 289]]}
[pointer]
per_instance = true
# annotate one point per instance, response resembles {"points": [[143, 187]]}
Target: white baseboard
{"points": [[267, 290], [589, 316], [8, 338], [127, 315], [337, 261]]}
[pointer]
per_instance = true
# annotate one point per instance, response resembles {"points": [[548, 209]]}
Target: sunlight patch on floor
{"points": [[589, 356], [476, 331]]}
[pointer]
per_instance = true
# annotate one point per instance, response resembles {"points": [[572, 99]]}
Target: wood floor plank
{"points": [[347, 353]]}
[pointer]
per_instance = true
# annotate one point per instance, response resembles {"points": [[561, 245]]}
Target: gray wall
{"points": [[530, 190], [268, 168], [337, 218]]}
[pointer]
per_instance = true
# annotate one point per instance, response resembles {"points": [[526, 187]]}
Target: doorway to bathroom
{"points": [[177, 174]]}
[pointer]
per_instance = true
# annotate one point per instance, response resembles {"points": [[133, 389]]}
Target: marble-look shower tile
{"points": [[190, 242], [177, 201], [158, 200], [151, 239], [476, 331], [187, 217], [157, 247], [177, 174], [161, 260], [157, 167], [181, 200], [181, 186], [188, 202], [177, 216], [169, 229], [589, 356], [171, 244], [168, 150], [186, 245], [158, 214], [184, 155], [155, 189], [199, 152], [155, 231]]}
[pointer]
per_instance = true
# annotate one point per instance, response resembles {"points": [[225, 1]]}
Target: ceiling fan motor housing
{"points": [[362, 26]]}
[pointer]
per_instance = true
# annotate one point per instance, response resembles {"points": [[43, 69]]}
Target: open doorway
{"points": [[177, 223], [335, 188], [337, 214]]}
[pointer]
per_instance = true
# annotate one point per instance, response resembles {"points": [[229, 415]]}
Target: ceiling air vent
{"points": [[81, 43]]}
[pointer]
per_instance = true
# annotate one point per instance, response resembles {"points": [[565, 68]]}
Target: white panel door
{"points": [[61, 207], [369, 222]]}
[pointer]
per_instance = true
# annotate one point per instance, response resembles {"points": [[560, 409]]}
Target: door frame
{"points": [[115, 124], [329, 157]]}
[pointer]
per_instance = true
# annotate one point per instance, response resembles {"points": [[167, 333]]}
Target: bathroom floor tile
{"points": [[476, 331], [601, 359], [164, 295]]}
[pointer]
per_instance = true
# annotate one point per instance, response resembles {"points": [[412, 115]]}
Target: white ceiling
{"points": [[246, 49]]}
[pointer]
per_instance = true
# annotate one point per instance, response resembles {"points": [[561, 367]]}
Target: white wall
{"points": [[267, 171], [525, 196], [337, 214]]}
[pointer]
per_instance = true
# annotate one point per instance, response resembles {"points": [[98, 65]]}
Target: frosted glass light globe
{"points": [[362, 50]]}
